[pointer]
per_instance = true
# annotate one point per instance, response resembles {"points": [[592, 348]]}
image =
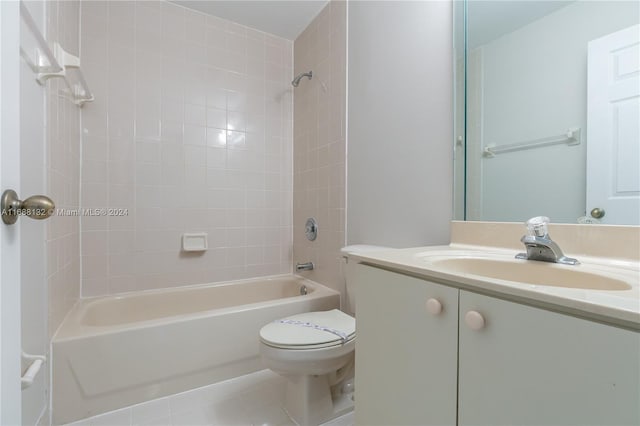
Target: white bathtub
{"points": [[111, 352]]}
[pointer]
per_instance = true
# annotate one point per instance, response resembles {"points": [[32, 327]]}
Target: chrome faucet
{"points": [[539, 244], [304, 266]]}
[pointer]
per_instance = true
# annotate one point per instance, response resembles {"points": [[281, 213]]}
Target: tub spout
{"points": [[304, 266]]}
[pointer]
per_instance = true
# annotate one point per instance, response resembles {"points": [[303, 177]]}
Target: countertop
{"points": [[617, 307]]}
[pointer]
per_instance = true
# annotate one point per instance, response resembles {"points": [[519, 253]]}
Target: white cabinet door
{"points": [[406, 357], [528, 366]]}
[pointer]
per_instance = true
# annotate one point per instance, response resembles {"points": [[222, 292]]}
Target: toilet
{"points": [[314, 351]]}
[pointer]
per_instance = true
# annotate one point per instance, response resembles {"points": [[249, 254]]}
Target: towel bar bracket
{"points": [[36, 363]]}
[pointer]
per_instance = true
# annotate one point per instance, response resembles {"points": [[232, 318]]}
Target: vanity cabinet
{"points": [[485, 361], [406, 356]]}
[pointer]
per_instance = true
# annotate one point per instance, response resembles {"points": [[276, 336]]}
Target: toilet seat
{"points": [[310, 330]]}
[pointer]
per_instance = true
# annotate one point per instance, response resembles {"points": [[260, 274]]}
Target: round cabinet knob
{"points": [[434, 306], [597, 213], [474, 320]]}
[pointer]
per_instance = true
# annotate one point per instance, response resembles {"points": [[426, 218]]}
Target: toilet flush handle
{"points": [[434, 306]]}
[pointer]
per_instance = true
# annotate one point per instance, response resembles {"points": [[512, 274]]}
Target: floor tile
{"points": [[114, 418], [155, 409]]}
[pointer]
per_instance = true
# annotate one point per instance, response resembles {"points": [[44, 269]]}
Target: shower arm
{"points": [[296, 81]]}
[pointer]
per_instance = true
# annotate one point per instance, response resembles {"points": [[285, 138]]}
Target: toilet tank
{"points": [[349, 269]]}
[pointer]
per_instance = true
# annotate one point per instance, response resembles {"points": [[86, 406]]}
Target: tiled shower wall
{"points": [[63, 170], [191, 131], [319, 147]]}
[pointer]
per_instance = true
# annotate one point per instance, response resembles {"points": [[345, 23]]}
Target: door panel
{"points": [[34, 300], [10, 395], [613, 116]]}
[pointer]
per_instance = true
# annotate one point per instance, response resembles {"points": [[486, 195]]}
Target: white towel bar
{"points": [[570, 137], [48, 62]]}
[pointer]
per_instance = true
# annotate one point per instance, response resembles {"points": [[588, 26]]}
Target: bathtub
{"points": [[112, 352]]}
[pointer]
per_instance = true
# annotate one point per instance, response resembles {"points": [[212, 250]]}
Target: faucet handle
{"points": [[537, 226]]}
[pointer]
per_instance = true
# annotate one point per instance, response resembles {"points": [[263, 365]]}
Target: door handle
{"points": [[36, 207]]}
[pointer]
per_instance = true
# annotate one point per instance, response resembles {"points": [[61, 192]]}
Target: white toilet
{"points": [[314, 351]]}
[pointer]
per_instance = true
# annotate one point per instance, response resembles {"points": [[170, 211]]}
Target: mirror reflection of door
{"points": [[613, 144], [526, 83]]}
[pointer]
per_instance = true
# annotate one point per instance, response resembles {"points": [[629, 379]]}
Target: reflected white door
{"points": [[10, 344], [613, 126]]}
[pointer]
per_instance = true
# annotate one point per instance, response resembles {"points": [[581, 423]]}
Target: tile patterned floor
{"points": [[254, 399]]}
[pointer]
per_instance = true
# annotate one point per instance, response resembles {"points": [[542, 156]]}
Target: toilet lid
{"points": [[310, 330]]}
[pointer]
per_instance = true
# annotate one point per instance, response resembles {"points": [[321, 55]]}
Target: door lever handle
{"points": [[36, 207]]}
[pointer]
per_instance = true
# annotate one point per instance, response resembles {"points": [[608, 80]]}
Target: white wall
{"points": [[400, 128], [533, 86]]}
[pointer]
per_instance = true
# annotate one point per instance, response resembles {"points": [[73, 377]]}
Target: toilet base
{"points": [[309, 400]]}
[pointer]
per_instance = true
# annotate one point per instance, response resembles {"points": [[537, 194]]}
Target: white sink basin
{"points": [[530, 272]]}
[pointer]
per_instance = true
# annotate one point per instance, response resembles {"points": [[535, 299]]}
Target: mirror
{"points": [[547, 111]]}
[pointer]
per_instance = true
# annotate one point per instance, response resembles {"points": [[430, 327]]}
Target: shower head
{"points": [[296, 81]]}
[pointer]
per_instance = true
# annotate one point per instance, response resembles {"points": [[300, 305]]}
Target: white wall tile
{"points": [[318, 152], [216, 138], [182, 115], [217, 118], [216, 158], [195, 114]]}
